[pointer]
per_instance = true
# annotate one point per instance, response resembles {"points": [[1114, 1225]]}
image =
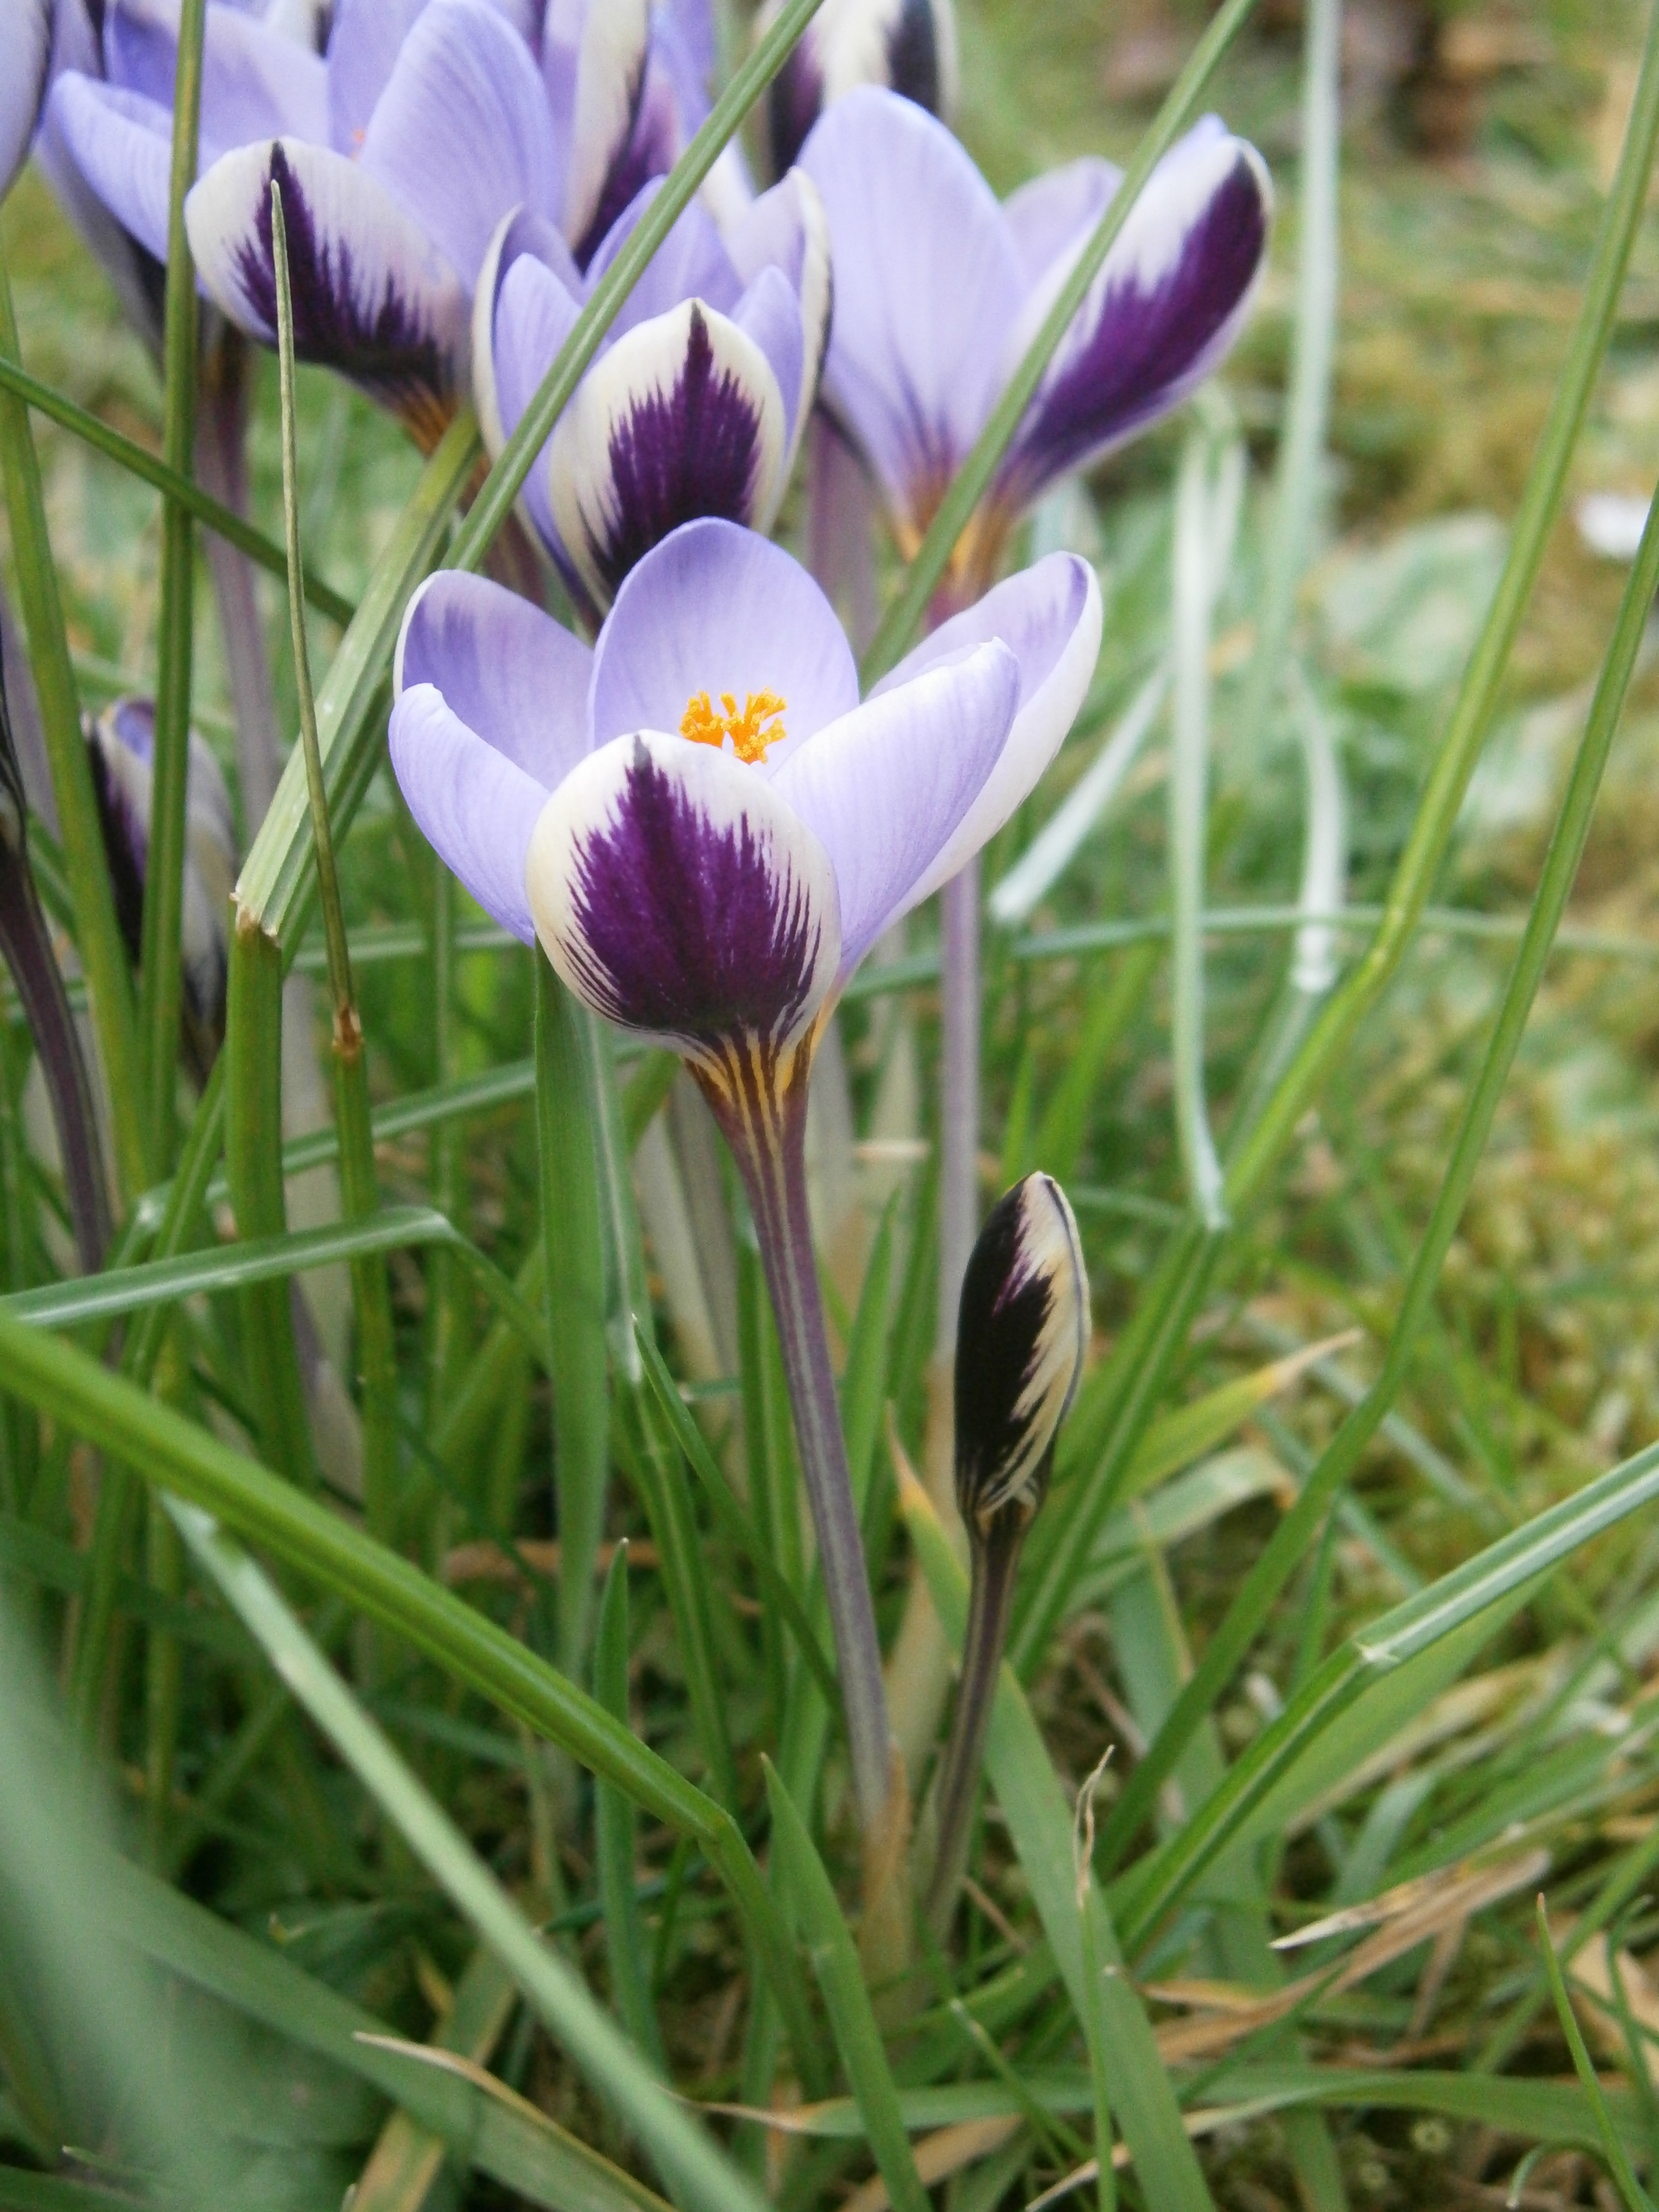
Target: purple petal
{"points": [[692, 263], [769, 314], [1160, 317], [25, 49], [533, 328], [121, 144], [370, 295], [462, 133], [593, 59], [924, 298], [888, 786], [716, 609], [255, 82], [512, 675], [474, 807], [362, 50], [1049, 617], [677, 893], [681, 418], [787, 229], [1049, 220]]}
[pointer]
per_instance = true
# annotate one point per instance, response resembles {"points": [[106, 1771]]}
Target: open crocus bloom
{"points": [[398, 153], [909, 45], [700, 820], [697, 401], [934, 312]]}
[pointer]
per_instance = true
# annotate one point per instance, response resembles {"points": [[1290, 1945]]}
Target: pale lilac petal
{"points": [[787, 228], [1160, 316], [25, 49], [462, 133], [593, 58], [514, 676], [1049, 618], [122, 145], [362, 50], [370, 295], [888, 787], [692, 263], [682, 417], [475, 808], [677, 893], [926, 289], [255, 82], [533, 318], [769, 314], [717, 609], [907, 46], [1049, 220], [534, 330]]}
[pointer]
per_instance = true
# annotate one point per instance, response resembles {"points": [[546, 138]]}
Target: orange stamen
{"points": [[752, 731]]}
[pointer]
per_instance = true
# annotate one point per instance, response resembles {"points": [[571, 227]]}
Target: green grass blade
{"points": [[1623, 2174], [1040, 1827], [835, 1962], [613, 1833], [702, 2176]]}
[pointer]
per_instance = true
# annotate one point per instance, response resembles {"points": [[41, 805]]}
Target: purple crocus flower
{"points": [[934, 312], [706, 831], [697, 401], [398, 152], [909, 45]]}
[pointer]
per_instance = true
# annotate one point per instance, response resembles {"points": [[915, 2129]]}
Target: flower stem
{"points": [[958, 1200], [768, 1137], [996, 1560]]}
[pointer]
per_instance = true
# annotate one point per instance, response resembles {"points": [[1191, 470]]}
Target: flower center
{"points": [[752, 731]]}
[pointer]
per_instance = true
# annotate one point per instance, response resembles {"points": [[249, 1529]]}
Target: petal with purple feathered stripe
{"points": [[677, 893]]}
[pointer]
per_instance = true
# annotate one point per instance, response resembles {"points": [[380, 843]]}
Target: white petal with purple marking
{"points": [[462, 133], [1158, 318], [513, 676], [1049, 618], [926, 289], [371, 295], [908, 46], [593, 55], [682, 417], [888, 786], [475, 808], [716, 609], [25, 49], [677, 893]]}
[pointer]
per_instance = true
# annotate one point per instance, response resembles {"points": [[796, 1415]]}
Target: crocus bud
{"points": [[909, 45], [122, 746], [1022, 1330]]}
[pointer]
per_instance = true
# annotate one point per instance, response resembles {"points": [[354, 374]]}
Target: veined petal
{"points": [[682, 417], [534, 328], [475, 808], [787, 229], [676, 893], [371, 296], [1161, 314], [462, 133], [25, 50], [362, 52], [692, 263], [593, 55], [121, 144], [1049, 618], [512, 674], [255, 82], [1049, 220], [716, 609], [769, 314], [926, 289], [907, 46], [888, 786]]}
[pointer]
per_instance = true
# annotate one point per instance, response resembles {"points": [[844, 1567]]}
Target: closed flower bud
{"points": [[1021, 1334], [122, 744], [908, 45]]}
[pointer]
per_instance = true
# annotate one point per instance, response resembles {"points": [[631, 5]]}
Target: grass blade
{"points": [[1635, 2198], [614, 1839]]}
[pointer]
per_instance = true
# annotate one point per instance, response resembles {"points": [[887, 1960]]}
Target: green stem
{"points": [[159, 987], [98, 933]]}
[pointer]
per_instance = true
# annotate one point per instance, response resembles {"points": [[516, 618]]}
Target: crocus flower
{"points": [[1021, 1336], [933, 311], [707, 830], [25, 947], [398, 153], [909, 45], [121, 747], [695, 402]]}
